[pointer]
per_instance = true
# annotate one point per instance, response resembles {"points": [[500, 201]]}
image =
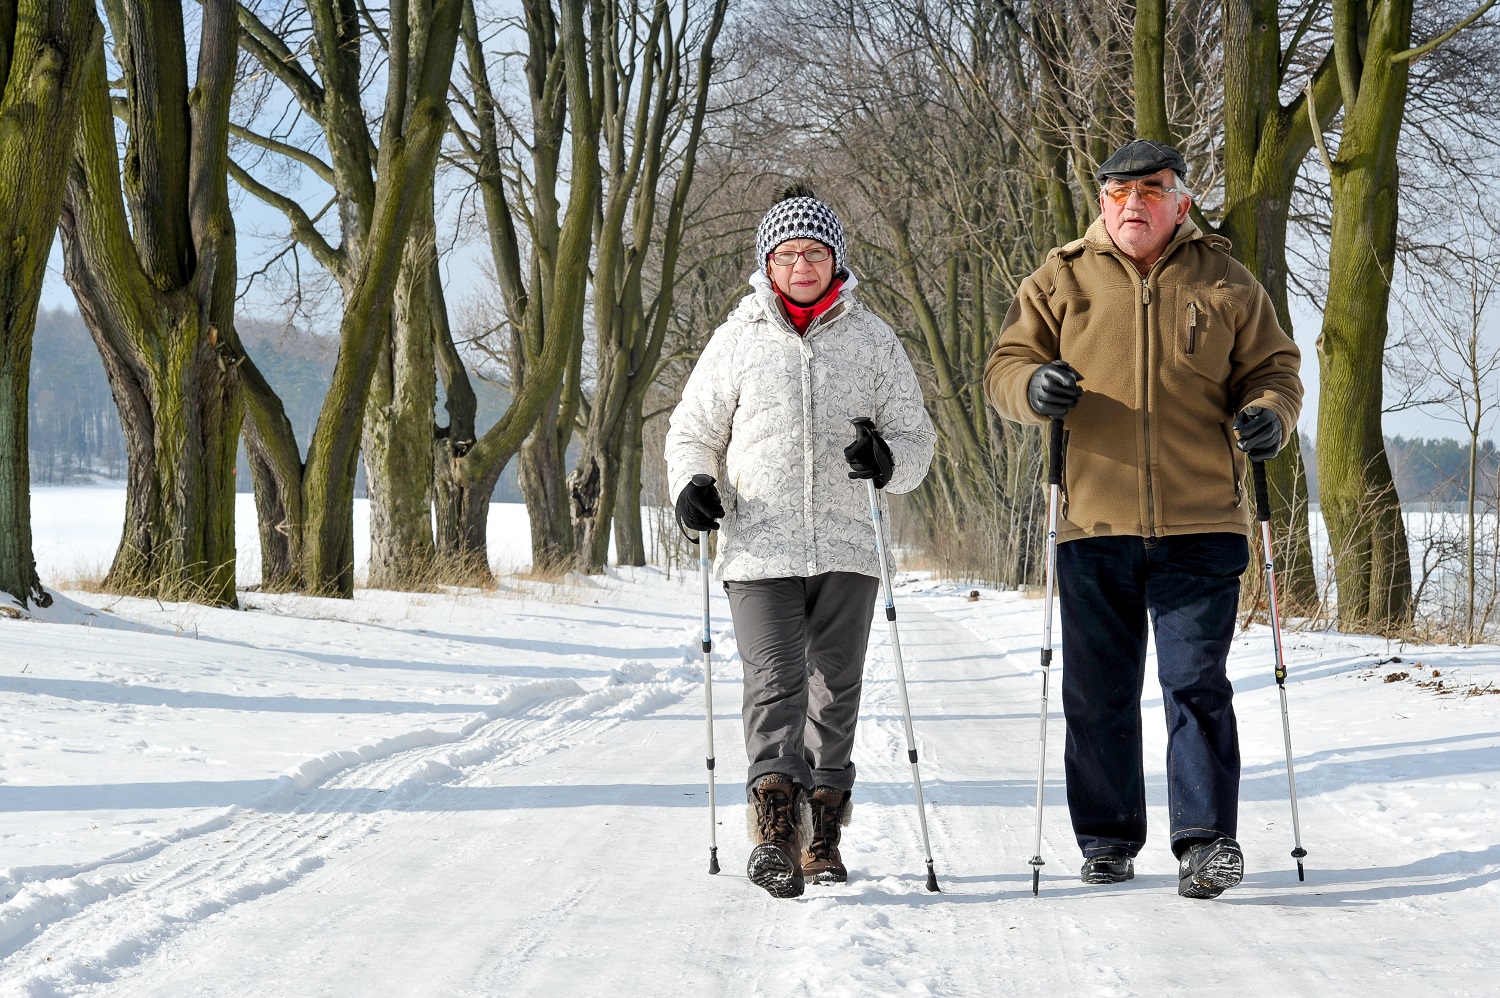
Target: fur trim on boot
{"points": [[780, 822], [832, 810]]}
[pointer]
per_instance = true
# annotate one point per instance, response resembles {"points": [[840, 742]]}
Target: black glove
{"points": [[1054, 390], [869, 456], [1259, 431], [698, 504]]}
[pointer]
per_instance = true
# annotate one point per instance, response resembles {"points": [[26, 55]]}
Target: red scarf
{"points": [[802, 316]]}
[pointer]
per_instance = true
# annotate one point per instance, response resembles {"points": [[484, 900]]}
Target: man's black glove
{"points": [[869, 456], [1259, 431], [1054, 390], [698, 504]]}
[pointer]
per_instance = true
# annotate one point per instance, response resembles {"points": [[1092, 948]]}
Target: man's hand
{"points": [[698, 505], [869, 456], [1054, 390], [1259, 431]]}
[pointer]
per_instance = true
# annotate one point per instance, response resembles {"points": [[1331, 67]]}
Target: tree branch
{"points": [[303, 228], [307, 159], [1413, 54], [271, 51]]}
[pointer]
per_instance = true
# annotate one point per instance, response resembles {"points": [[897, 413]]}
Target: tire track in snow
{"points": [[79, 928]]}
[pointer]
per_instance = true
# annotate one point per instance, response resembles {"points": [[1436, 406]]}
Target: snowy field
{"points": [[502, 794]]}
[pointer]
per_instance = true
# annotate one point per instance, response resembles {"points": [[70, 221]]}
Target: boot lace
{"points": [[825, 827], [776, 814]]}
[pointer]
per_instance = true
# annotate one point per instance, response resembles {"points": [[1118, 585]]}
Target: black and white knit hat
{"points": [[800, 218]]}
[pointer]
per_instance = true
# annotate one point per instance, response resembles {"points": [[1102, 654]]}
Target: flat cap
{"points": [[1141, 158]]}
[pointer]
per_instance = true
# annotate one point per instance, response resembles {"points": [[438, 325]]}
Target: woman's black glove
{"points": [[1054, 390], [698, 504], [869, 456], [1259, 432]]}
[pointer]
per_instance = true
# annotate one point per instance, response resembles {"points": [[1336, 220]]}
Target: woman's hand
{"points": [[869, 456], [699, 506]]}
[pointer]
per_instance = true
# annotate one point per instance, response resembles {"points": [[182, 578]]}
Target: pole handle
{"points": [[1054, 452], [702, 480], [1262, 494]]}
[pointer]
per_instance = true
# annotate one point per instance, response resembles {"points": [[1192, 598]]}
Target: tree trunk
{"points": [[461, 490], [1359, 501], [399, 422], [630, 538], [544, 487], [543, 295], [593, 488], [157, 294], [1265, 145], [1149, 43], [648, 68], [276, 471], [46, 50], [1469, 635], [374, 185]]}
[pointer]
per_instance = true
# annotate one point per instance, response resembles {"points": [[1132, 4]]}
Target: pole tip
{"points": [[1300, 873], [932, 884], [713, 860]]}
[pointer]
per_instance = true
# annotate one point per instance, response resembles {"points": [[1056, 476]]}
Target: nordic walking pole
{"points": [[890, 615], [1263, 513], [708, 690], [1054, 487]]}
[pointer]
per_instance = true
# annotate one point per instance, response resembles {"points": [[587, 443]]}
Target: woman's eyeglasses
{"points": [[1150, 195], [788, 258]]}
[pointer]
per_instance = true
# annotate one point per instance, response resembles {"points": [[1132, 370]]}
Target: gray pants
{"points": [[802, 643]]}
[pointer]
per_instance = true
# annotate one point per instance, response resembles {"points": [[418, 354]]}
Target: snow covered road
{"points": [[502, 794]]}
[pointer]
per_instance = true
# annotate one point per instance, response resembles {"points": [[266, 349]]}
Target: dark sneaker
{"points": [[777, 825], [1110, 868], [831, 810], [1208, 869]]}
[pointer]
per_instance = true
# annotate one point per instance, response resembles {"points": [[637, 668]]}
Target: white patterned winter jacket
{"points": [[767, 413]]}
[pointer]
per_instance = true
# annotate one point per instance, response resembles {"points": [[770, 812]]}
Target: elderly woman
{"points": [[767, 415]]}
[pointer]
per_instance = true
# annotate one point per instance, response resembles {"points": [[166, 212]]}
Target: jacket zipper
{"points": [[1234, 472], [1063, 487], [1192, 327], [1146, 405]]}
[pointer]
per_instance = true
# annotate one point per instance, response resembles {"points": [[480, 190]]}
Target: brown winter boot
{"points": [[831, 810], [778, 823]]}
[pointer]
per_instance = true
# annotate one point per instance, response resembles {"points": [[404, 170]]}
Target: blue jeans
{"points": [[1190, 587]]}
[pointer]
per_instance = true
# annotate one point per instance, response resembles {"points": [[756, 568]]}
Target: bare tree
{"points": [[1267, 139], [658, 69], [1374, 48], [1448, 357], [539, 217], [47, 48], [379, 188], [149, 251]]}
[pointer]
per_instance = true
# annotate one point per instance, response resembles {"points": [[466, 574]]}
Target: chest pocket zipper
{"points": [[1192, 322]]}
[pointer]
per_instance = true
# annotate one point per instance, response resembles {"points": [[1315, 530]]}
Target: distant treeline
{"points": [[1427, 469], [75, 427]]}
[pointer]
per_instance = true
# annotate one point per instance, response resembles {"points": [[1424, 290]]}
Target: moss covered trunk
{"points": [[1365, 531], [45, 53], [1264, 147], [399, 422], [154, 274]]}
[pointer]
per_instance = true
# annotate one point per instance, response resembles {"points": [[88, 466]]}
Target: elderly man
{"points": [[1174, 369]]}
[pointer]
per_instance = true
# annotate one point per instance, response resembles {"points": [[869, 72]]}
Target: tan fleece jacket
{"points": [[1167, 360]]}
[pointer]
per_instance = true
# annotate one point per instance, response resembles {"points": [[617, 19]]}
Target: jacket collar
{"points": [[763, 293], [1097, 239]]}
